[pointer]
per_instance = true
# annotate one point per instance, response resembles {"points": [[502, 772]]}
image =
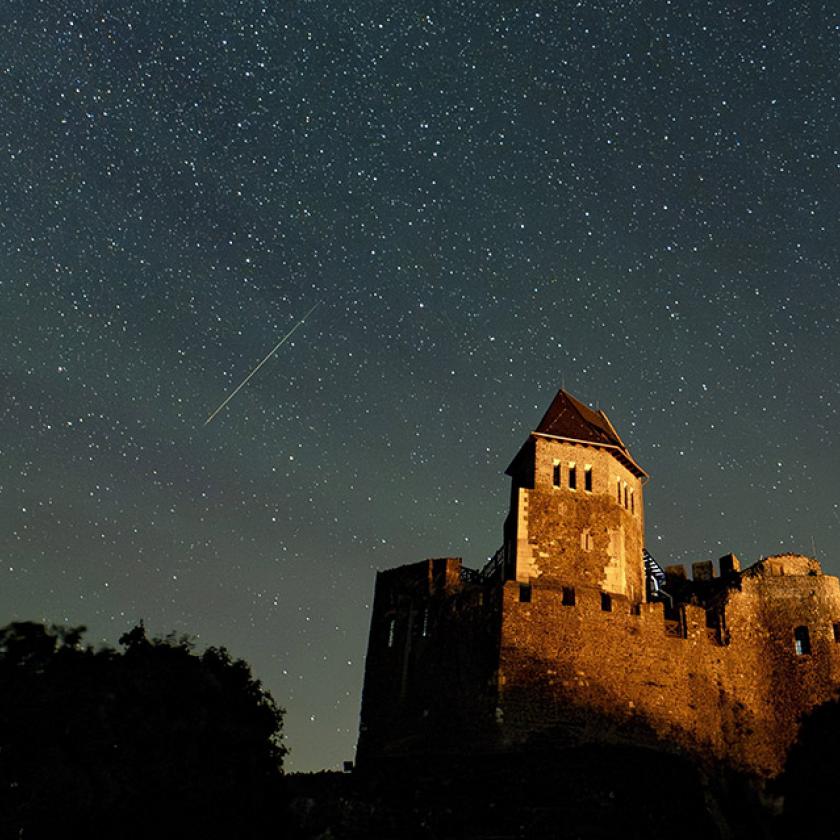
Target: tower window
{"points": [[572, 477], [606, 602], [836, 628], [801, 641], [586, 539], [632, 502], [618, 490], [568, 597], [587, 479], [525, 593], [392, 627], [626, 497], [425, 622], [555, 478]]}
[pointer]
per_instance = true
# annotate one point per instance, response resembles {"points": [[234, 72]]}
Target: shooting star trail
{"points": [[271, 352]]}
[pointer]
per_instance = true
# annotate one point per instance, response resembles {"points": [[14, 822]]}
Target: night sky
{"points": [[638, 201]]}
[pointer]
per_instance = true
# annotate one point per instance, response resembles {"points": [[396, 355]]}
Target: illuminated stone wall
{"points": [[571, 672]]}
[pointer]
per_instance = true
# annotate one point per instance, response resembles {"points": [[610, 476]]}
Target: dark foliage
{"points": [[809, 782], [596, 792], [150, 741]]}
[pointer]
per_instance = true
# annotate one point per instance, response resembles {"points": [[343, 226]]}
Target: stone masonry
{"points": [[568, 635]]}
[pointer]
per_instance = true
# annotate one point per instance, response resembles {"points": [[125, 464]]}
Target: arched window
{"points": [[801, 641]]}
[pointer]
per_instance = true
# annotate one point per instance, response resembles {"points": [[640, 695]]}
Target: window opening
{"points": [[801, 641], [568, 599], [556, 474], [606, 602], [572, 477], [836, 627], [618, 489], [587, 479], [425, 630], [632, 502], [392, 625], [525, 593], [626, 497]]}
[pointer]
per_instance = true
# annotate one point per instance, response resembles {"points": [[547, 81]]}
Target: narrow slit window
{"points": [[587, 479], [626, 497], [425, 622], [606, 602], [568, 597], [632, 502], [572, 477], [555, 476], [618, 490], [801, 641], [836, 627], [392, 627], [525, 593]]}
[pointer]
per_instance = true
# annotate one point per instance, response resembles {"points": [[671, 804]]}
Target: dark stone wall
{"points": [[430, 673]]}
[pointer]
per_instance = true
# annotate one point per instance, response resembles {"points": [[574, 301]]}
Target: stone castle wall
{"points": [[562, 641]]}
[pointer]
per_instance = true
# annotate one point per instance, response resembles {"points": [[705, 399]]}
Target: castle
{"points": [[572, 633]]}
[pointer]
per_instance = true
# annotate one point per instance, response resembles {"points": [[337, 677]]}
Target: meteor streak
{"points": [[273, 350]]}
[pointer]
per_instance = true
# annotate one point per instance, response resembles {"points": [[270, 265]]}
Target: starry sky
{"points": [[487, 200]]}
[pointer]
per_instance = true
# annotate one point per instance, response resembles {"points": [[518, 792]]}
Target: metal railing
{"points": [[470, 575], [494, 565], [489, 571], [673, 628]]}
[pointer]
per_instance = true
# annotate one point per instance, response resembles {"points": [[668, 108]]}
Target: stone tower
{"points": [[576, 510]]}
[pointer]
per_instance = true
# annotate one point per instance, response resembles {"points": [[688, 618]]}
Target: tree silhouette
{"points": [[151, 741], [808, 783]]}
